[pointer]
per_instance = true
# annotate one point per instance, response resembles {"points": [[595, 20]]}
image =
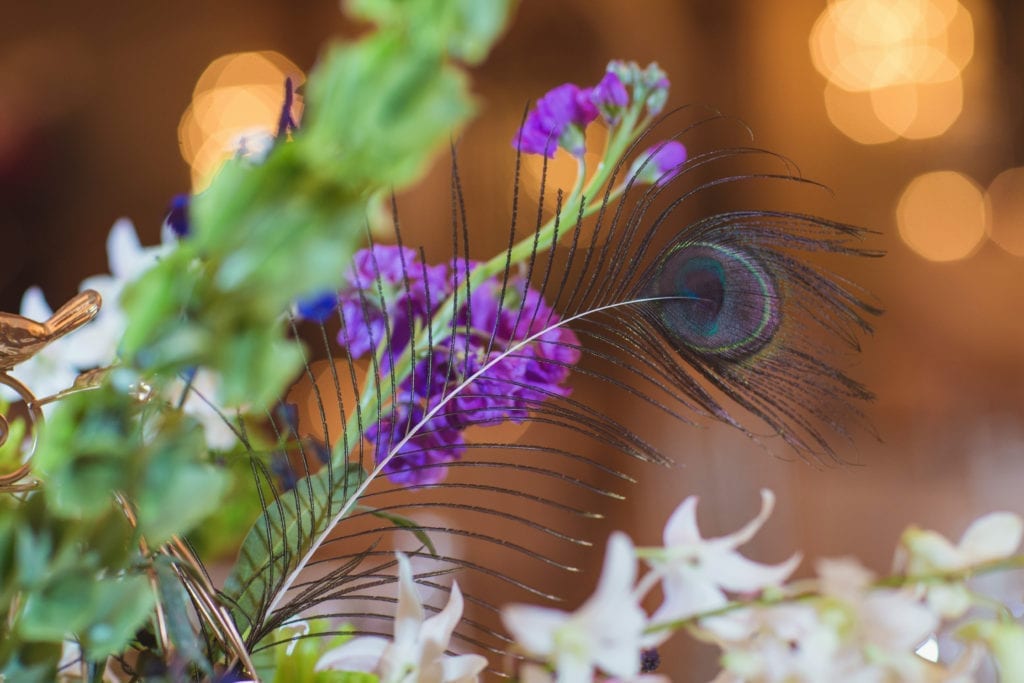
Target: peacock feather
{"points": [[420, 372]]}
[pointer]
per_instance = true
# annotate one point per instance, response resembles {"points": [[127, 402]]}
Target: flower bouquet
{"points": [[272, 449]]}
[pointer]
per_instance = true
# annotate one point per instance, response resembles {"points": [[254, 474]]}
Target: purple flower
{"points": [[386, 293], [419, 461], [660, 164], [610, 97], [557, 120], [488, 370]]}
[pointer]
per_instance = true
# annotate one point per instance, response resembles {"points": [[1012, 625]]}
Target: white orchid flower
{"points": [[994, 536], [417, 653], [696, 572], [57, 365], [853, 633], [127, 260], [605, 633]]}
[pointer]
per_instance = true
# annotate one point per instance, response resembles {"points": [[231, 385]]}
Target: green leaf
{"points": [[403, 522], [380, 111], [104, 613], [187, 494], [34, 663], [84, 450], [123, 605], [465, 29], [281, 537]]}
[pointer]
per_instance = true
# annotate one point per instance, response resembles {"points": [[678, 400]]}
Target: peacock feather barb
{"points": [[402, 436]]}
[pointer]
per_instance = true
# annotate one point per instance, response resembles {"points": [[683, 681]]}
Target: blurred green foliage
{"points": [[265, 233]]}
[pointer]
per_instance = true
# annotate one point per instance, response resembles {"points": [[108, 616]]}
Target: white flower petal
{"points": [[619, 656], [437, 630], [688, 593], [409, 613], [733, 626], [991, 537], [753, 526], [358, 654], [34, 306], [895, 621], [929, 551], [949, 600], [570, 668], [681, 528], [619, 571], [123, 250], [735, 573], [463, 668], [843, 577], [534, 627]]}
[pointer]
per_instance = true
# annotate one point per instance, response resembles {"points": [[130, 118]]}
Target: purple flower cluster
{"points": [[557, 121], [563, 113], [502, 355]]}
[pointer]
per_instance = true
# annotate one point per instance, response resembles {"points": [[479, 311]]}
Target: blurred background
{"points": [[910, 111]]}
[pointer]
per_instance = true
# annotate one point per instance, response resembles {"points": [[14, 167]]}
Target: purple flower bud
{"points": [[657, 84], [558, 119], [610, 96], [659, 164], [177, 217]]}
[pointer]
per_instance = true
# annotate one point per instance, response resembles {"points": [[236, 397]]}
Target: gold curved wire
{"points": [[12, 482]]}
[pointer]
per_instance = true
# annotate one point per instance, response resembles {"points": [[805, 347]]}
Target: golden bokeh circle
{"points": [[1006, 200], [942, 216]]}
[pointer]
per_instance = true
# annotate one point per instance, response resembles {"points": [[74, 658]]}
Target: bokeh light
{"points": [[852, 113], [1006, 201], [942, 216], [892, 64], [235, 105]]}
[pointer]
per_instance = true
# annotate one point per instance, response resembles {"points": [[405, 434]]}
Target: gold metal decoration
{"points": [[20, 339], [12, 482]]}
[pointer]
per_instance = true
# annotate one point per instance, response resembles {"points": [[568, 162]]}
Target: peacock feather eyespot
{"points": [[714, 299], [753, 322]]}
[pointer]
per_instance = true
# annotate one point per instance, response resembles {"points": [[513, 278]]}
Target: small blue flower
{"points": [[317, 308], [178, 215]]}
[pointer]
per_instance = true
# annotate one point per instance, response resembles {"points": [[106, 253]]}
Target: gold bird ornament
{"points": [[21, 338]]}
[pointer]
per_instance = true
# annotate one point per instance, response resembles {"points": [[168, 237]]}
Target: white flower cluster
{"points": [[55, 367], [846, 626]]}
